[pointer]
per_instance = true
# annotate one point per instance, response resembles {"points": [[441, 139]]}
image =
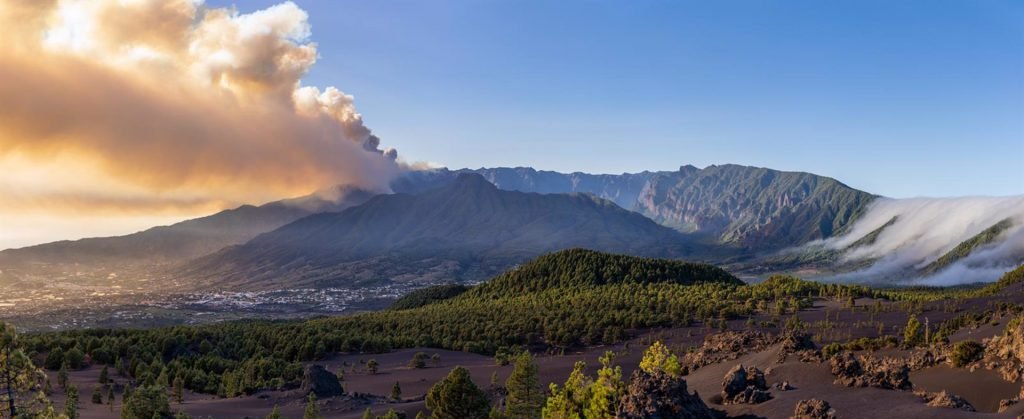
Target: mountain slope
{"points": [[752, 207], [962, 250], [187, 239], [622, 189], [466, 230], [735, 205]]}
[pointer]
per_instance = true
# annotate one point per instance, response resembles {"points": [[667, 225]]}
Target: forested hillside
{"points": [[566, 299]]}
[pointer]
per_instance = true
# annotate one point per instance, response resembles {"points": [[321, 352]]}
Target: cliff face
{"points": [[738, 205], [751, 206]]}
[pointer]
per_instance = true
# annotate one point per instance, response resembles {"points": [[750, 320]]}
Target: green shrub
{"points": [[966, 352], [831, 350]]}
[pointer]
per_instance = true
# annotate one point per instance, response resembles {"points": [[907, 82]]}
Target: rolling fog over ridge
{"points": [[741, 210], [749, 210], [913, 233]]}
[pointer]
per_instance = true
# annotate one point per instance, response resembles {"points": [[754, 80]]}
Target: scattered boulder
{"points": [[660, 395], [844, 365], [813, 409], [784, 386], [1006, 403], [794, 341], [744, 386], [319, 381], [924, 359], [810, 355], [727, 346], [945, 399], [866, 371]]}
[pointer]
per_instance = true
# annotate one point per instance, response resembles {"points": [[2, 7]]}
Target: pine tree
{"points": [[97, 395], [457, 397], [606, 391], [391, 414], [372, 366], [368, 414], [162, 379], [525, 398], [312, 410], [659, 358], [62, 376], [71, 402], [569, 401], [419, 360], [396, 392], [179, 390], [275, 414], [146, 402], [104, 375], [110, 397], [55, 359], [20, 379], [912, 335]]}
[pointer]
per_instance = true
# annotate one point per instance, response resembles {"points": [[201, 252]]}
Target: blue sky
{"points": [[900, 98]]}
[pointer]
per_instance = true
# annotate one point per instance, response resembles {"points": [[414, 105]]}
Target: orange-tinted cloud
{"points": [[150, 103]]}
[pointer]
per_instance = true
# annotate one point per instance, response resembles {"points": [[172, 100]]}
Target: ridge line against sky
{"points": [[125, 115], [906, 99]]}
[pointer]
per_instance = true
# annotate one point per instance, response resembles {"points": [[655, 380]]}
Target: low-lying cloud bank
{"points": [[172, 103], [924, 230]]}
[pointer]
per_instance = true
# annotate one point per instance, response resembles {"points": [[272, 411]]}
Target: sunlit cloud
{"points": [[168, 107]]}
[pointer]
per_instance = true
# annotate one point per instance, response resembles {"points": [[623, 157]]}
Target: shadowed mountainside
{"points": [[467, 230], [187, 239], [737, 205]]}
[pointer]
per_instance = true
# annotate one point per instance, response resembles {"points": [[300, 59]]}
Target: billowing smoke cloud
{"points": [[168, 102], [927, 228]]}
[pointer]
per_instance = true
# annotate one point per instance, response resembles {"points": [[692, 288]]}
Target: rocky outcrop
{"points": [[727, 346], [924, 359], [744, 386], [796, 342], [945, 399], [1006, 352], [813, 409], [319, 381], [808, 355], [1006, 403], [660, 395], [867, 371]]}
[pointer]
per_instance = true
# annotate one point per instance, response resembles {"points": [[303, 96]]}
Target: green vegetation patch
{"points": [[965, 248], [428, 295]]}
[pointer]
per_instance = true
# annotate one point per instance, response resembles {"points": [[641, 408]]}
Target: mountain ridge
{"points": [[187, 239], [469, 229]]}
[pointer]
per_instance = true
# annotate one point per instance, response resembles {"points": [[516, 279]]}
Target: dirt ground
{"points": [[827, 321]]}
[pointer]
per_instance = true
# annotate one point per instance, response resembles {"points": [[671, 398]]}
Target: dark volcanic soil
{"points": [[828, 321]]}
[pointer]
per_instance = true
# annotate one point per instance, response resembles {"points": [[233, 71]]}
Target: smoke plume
{"points": [[167, 104]]}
